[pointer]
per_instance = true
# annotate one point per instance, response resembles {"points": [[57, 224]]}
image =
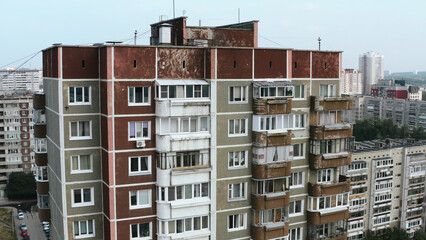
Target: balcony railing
{"points": [[271, 170], [340, 186], [263, 106], [167, 108], [331, 103], [334, 131], [267, 139], [270, 231], [317, 218], [270, 201], [329, 160]]}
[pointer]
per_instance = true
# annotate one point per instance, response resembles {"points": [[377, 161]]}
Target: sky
{"points": [[394, 28]]}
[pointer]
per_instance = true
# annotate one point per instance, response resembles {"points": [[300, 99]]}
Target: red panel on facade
{"points": [[121, 95], [122, 132], [106, 200], [80, 62], [270, 63], [301, 64], [123, 203], [401, 94], [180, 63], [234, 63], [122, 168], [134, 62], [105, 62], [50, 62], [325, 64]]}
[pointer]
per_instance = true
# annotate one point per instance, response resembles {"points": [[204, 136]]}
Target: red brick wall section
{"points": [[270, 63], [123, 202], [325, 64], [171, 63], [80, 62], [122, 132], [122, 168], [121, 95], [125, 66], [301, 64], [234, 63]]}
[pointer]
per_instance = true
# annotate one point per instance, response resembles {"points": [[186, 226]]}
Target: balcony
{"points": [[39, 101], [270, 201], [329, 160], [263, 106], [270, 231], [268, 139], [40, 131], [182, 176], [43, 188], [271, 170], [341, 186], [331, 103], [168, 108], [182, 142], [322, 132], [317, 218], [333, 236], [183, 208], [44, 215]]}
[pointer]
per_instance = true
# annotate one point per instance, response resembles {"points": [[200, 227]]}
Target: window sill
{"points": [[237, 199], [237, 168], [138, 104], [80, 104], [295, 215], [140, 174], [236, 229], [237, 135], [296, 186], [80, 138], [84, 236], [139, 139], [299, 99], [140, 207], [236, 102], [81, 171], [82, 205]]}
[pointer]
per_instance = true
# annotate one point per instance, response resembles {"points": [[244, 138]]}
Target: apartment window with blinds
{"points": [[140, 199], [139, 130], [139, 96], [237, 127], [80, 130], [327, 90], [84, 229], [237, 222], [81, 164], [238, 94], [79, 95]]}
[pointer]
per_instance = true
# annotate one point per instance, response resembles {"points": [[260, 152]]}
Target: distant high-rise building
{"points": [[351, 82], [371, 66], [23, 80]]}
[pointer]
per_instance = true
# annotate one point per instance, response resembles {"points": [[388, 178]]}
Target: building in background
{"points": [[200, 136], [22, 81], [387, 186], [371, 65], [351, 82]]}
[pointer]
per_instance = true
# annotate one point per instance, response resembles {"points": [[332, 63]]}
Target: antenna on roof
{"points": [[319, 43], [238, 15], [136, 33], [174, 14]]}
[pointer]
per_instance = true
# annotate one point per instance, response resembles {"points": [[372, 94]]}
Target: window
{"points": [[296, 208], [41, 173], [80, 130], [82, 197], [79, 95], [237, 159], [43, 201], [237, 191], [183, 124], [299, 91], [84, 229], [139, 96], [183, 91], [81, 164], [324, 176], [238, 94], [272, 92], [140, 165], [183, 225], [327, 90], [268, 216], [139, 130], [278, 122], [237, 127], [296, 234], [277, 185], [299, 150], [297, 179], [40, 145], [189, 191], [140, 199], [237, 222], [183, 159], [141, 231]]}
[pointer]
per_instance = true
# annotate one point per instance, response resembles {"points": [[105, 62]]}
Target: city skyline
{"points": [[349, 26]]}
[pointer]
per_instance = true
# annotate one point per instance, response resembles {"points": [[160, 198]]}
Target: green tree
{"points": [[365, 130], [404, 132], [21, 185], [419, 235], [395, 233], [418, 133]]}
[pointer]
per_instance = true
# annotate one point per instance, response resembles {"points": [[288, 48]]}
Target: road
{"points": [[35, 229]]}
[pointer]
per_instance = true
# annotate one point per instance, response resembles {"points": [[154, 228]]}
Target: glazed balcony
{"points": [[182, 142], [271, 170], [332, 236], [270, 200], [39, 101], [329, 160], [270, 231], [182, 176], [269, 139], [333, 131], [263, 106], [340, 186], [168, 108], [331, 103], [317, 218]]}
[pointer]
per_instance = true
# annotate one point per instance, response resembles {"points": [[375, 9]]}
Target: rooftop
{"points": [[374, 145]]}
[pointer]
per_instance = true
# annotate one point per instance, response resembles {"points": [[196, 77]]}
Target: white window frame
{"points": [[238, 134], [294, 208], [132, 102], [331, 90], [39, 173], [39, 142], [298, 175], [242, 193], [139, 237], [302, 92], [75, 95], [141, 125], [327, 173], [80, 137], [296, 231], [140, 172], [87, 235], [83, 204], [236, 161], [79, 164], [243, 92], [302, 150], [244, 222], [137, 206]]}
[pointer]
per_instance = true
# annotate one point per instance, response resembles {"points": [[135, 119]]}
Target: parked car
{"points": [[24, 233], [23, 226], [46, 227], [45, 223], [21, 215]]}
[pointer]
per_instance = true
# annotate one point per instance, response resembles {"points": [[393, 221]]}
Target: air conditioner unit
{"points": [[140, 144]]}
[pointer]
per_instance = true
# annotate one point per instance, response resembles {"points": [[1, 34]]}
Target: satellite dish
{"points": [[183, 12]]}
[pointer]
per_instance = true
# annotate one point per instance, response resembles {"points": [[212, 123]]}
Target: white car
{"points": [[21, 215]]}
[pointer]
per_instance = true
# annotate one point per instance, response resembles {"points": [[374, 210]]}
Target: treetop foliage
{"points": [[367, 129]]}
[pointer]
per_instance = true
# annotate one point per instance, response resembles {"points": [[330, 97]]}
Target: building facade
{"points": [[371, 65], [21, 80], [202, 135], [351, 82]]}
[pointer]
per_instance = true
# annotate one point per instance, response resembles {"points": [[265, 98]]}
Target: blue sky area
{"points": [[397, 29]]}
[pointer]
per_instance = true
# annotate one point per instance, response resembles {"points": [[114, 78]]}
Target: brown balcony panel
{"points": [[320, 132], [44, 215], [319, 161], [316, 218], [265, 139], [319, 190], [271, 170], [43, 188], [271, 106], [39, 101], [264, 233], [344, 236], [40, 131], [266, 202], [331, 103], [41, 159]]}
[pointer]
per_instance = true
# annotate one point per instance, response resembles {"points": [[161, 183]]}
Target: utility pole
{"points": [[319, 43], [136, 33]]}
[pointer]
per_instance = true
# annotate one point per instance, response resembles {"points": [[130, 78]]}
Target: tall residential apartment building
{"points": [[387, 187], [16, 137], [371, 65], [202, 135], [21, 80], [351, 82]]}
